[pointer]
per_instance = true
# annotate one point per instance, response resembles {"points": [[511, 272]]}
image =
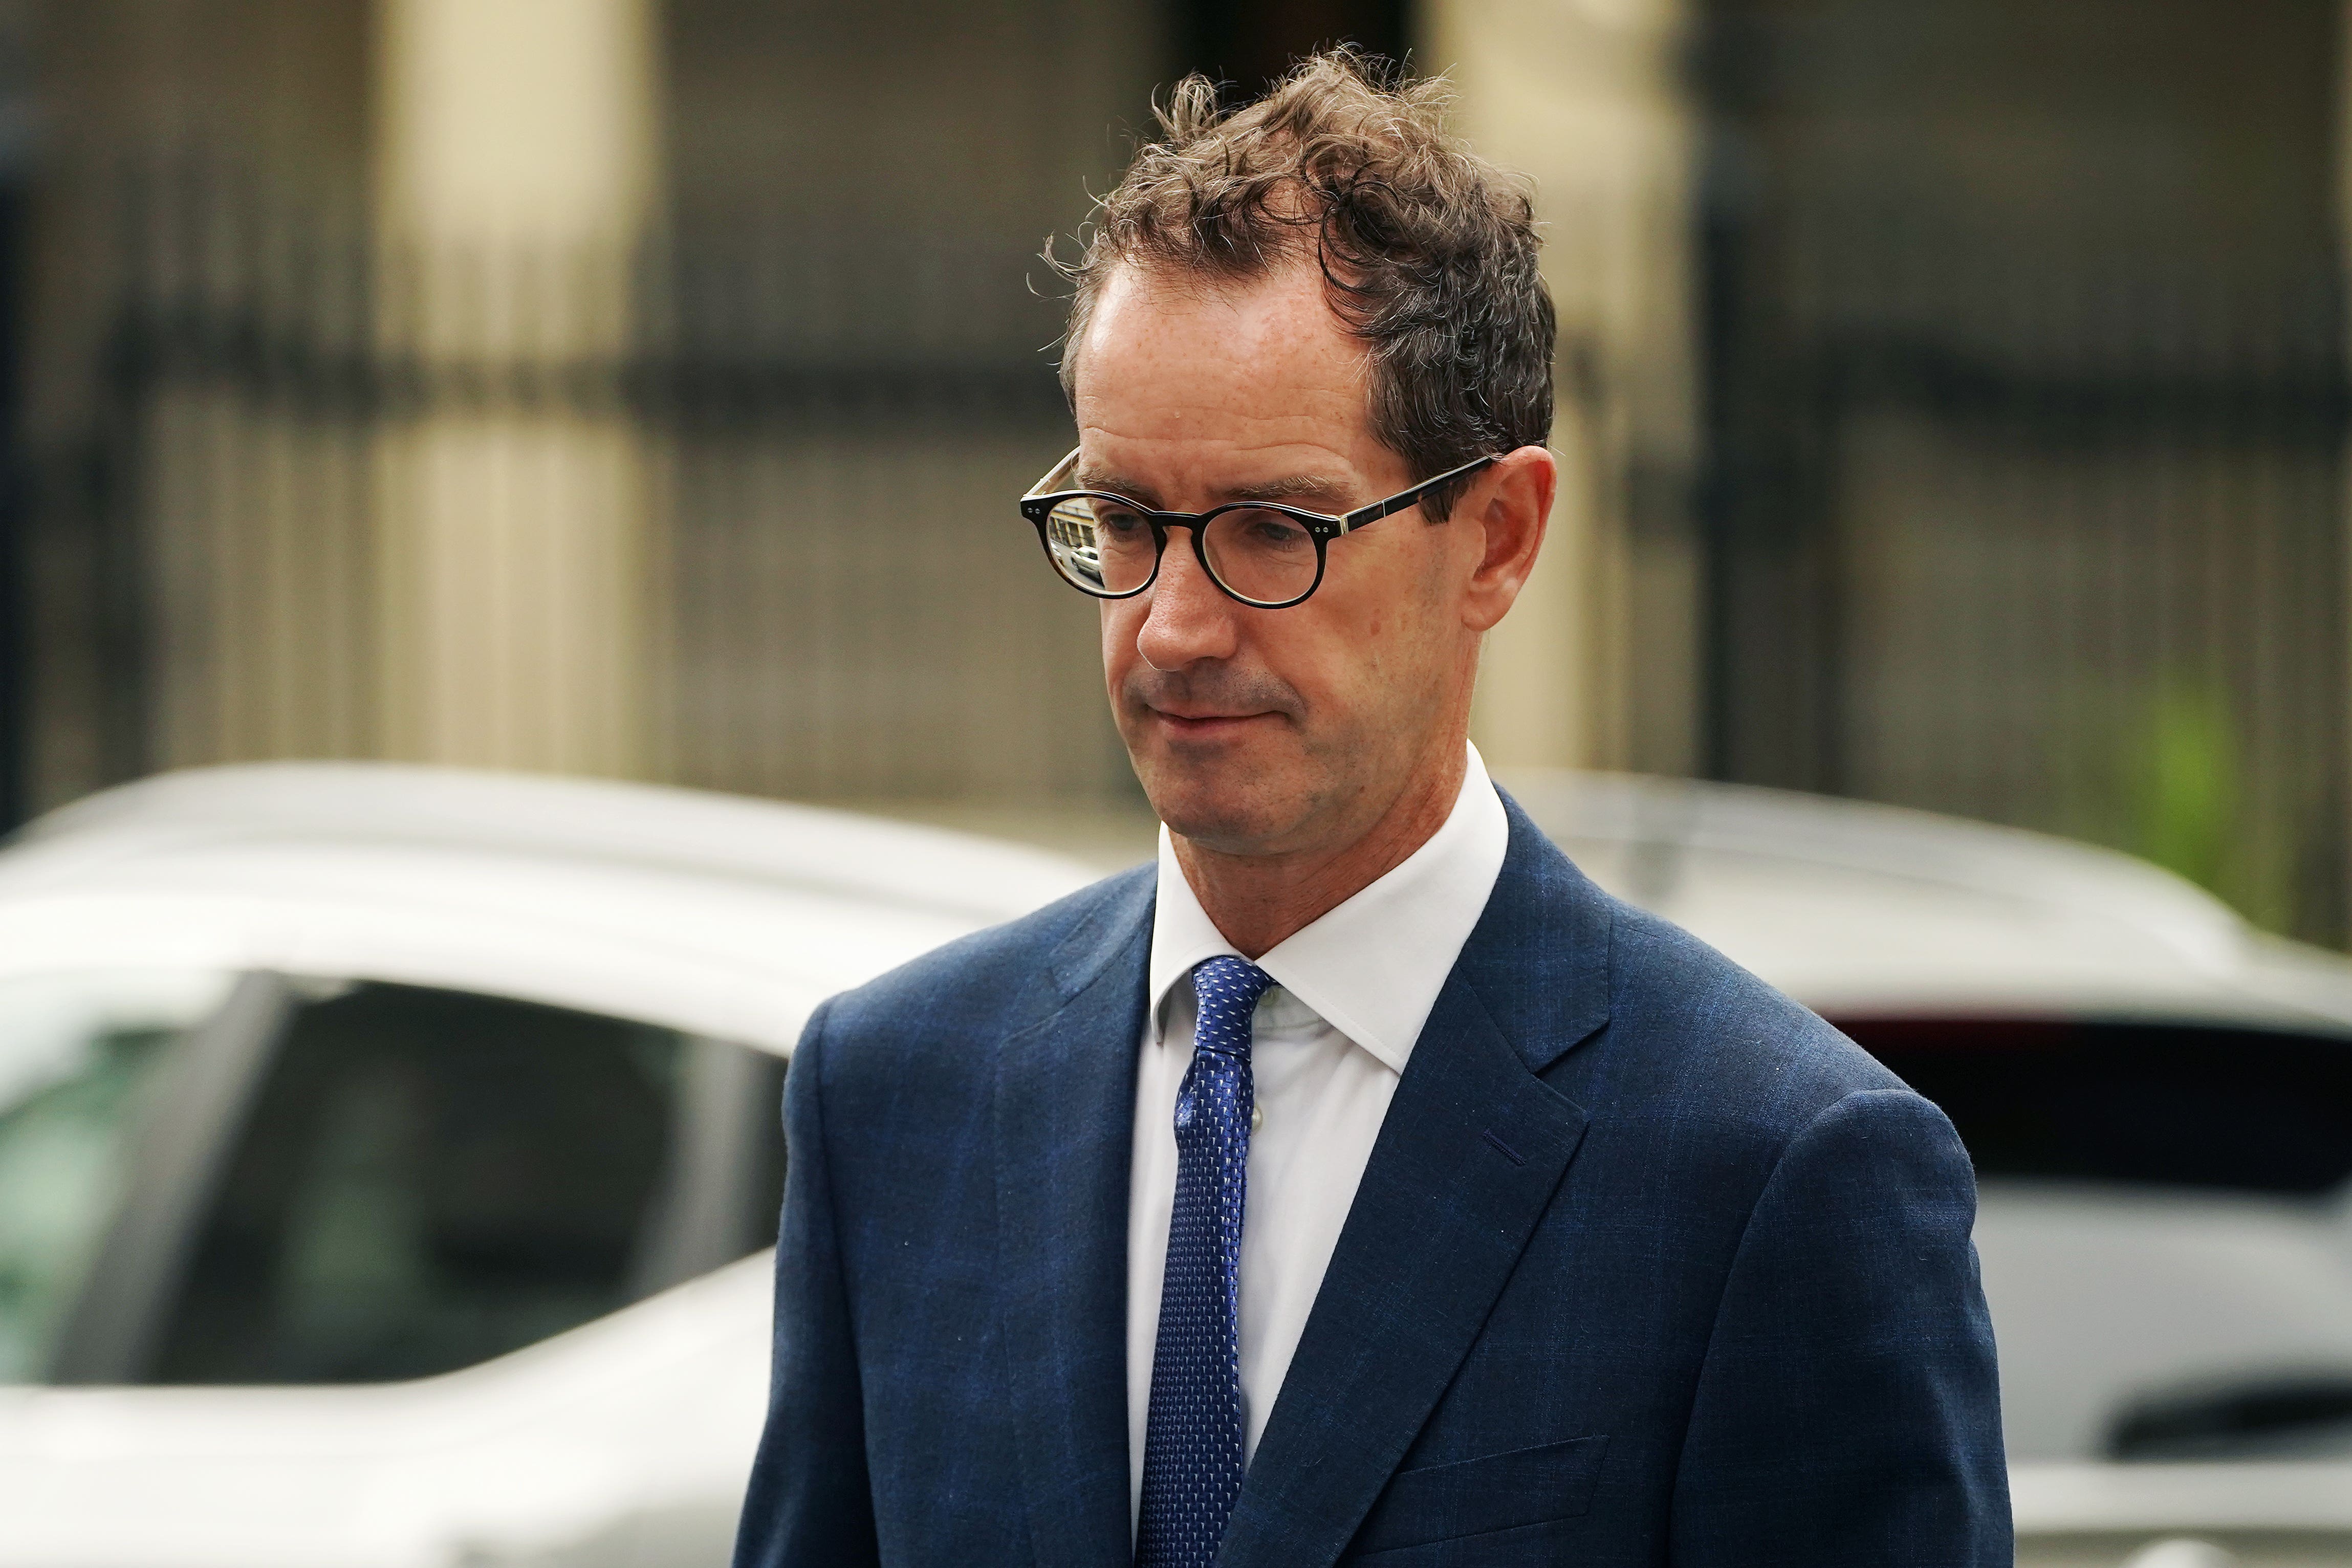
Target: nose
{"points": [[1189, 618]]}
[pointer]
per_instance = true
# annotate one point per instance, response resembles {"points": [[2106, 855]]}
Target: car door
{"points": [[350, 1206], [89, 1060]]}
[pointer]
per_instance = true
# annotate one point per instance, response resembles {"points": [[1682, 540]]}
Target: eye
{"points": [[1120, 523], [1271, 530]]}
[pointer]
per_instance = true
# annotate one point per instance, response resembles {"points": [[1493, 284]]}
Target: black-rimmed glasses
{"points": [[1264, 553]]}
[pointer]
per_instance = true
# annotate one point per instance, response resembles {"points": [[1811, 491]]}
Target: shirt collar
{"points": [[1372, 967]]}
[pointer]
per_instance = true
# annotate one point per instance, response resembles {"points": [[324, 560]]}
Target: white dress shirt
{"points": [[1329, 1042]]}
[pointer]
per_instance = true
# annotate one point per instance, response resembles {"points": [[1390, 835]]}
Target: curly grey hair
{"points": [[1428, 251]]}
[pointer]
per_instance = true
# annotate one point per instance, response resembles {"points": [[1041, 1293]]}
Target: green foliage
{"points": [[2185, 803], [2185, 807]]}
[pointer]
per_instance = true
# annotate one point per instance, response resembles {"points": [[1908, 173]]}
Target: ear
{"points": [[1511, 503]]}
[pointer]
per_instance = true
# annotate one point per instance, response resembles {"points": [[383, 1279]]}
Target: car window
{"points": [[426, 1179], [78, 1053], [2164, 1228], [2178, 1105]]}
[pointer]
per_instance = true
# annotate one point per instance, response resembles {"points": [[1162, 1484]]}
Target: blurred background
{"points": [[1954, 415], [1954, 402]]}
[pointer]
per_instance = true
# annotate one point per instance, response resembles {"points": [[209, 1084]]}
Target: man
{"points": [[1359, 1183]]}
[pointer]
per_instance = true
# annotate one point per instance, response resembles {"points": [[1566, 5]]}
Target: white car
{"points": [[386, 1153], [2158, 1102]]}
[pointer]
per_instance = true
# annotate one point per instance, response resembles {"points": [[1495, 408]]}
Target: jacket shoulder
{"points": [[1673, 1033], [988, 977], [1703, 1037], [1706, 1079]]}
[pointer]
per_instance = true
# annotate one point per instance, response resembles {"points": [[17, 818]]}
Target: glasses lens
{"points": [[1101, 545], [1260, 555]]}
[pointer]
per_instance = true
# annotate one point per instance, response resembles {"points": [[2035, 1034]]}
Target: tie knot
{"points": [[1226, 989]]}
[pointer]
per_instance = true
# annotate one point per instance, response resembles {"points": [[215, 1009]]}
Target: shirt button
{"points": [[1257, 1116]]}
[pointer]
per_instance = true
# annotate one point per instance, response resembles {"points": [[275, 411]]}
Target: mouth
{"points": [[1206, 726]]}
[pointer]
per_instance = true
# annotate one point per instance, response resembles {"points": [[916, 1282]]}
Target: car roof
{"points": [[711, 912], [734, 917], [1863, 909]]}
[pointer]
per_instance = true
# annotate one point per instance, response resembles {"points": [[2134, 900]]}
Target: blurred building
{"points": [[1954, 402], [582, 385]]}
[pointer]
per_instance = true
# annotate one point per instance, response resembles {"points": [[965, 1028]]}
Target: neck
{"points": [[1257, 900]]}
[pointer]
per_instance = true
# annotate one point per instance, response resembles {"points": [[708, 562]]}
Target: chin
{"points": [[1233, 815]]}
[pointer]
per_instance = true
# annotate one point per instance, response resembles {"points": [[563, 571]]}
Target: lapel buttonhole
{"points": [[1513, 1155]]}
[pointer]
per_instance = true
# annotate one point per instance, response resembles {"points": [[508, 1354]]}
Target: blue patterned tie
{"points": [[1193, 1434]]}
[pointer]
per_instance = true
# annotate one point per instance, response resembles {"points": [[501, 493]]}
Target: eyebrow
{"points": [[1294, 487], [1332, 493], [1116, 486]]}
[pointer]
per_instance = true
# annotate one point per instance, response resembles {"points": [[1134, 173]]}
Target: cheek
{"points": [[1327, 658], [1121, 618], [1397, 647], [1399, 615]]}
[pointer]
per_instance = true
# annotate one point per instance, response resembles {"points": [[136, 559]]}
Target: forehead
{"points": [[1263, 361]]}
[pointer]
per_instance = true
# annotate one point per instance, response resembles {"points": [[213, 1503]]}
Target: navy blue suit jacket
{"points": [[1649, 1266]]}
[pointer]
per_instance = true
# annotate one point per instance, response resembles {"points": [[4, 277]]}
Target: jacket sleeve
{"points": [[1848, 1413], [809, 1501]]}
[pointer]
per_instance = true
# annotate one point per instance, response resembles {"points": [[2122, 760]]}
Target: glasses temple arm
{"points": [[1403, 498], [1053, 476]]}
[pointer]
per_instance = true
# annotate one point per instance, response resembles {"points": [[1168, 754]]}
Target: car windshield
{"points": [[2165, 1226], [78, 1057]]}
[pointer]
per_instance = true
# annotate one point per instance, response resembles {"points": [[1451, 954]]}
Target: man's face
{"points": [[1268, 731]]}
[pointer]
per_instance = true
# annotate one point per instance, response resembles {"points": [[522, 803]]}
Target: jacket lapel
{"points": [[1473, 1148], [1064, 1116]]}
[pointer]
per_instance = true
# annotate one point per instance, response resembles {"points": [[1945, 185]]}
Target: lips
{"points": [[1205, 724], [1205, 700]]}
